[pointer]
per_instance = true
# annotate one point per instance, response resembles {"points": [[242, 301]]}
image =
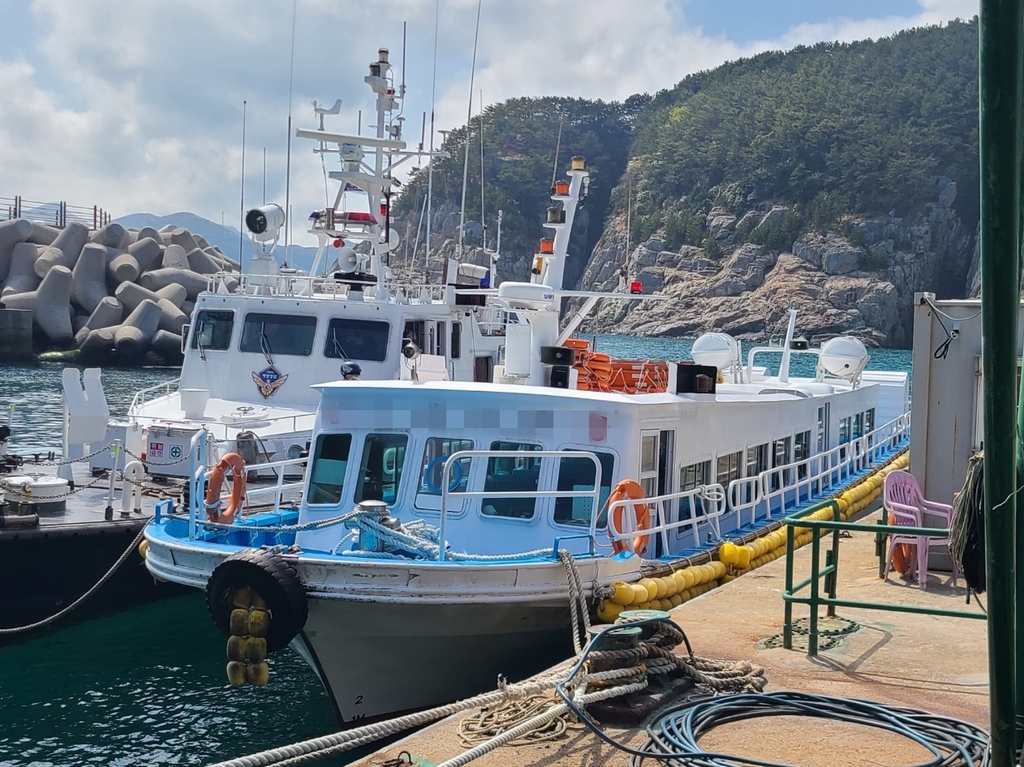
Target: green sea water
{"points": [[147, 686]]}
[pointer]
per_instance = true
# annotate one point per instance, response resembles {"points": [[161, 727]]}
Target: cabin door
{"points": [[655, 478]]}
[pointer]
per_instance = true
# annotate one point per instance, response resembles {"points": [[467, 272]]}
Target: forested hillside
{"points": [[862, 128], [520, 140], [851, 168]]}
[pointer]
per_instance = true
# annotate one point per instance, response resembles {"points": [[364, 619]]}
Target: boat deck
{"points": [[85, 509], [919, 661]]}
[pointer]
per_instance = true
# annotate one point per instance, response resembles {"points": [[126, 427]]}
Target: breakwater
{"points": [[109, 296]]}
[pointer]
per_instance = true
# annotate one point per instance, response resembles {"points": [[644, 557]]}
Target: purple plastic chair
{"points": [[903, 500]]}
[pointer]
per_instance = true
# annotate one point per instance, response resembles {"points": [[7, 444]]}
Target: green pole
{"points": [[1000, 63]]}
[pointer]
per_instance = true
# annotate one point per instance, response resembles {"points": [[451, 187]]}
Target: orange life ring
{"points": [[629, 488], [234, 462]]}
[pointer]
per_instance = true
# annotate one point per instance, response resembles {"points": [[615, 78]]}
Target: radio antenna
{"points": [[469, 124], [288, 161]]}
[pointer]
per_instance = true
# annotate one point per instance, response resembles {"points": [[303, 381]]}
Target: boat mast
{"points": [[288, 160], [430, 165], [469, 122]]}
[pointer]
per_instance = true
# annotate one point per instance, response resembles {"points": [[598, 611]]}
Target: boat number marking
{"points": [[359, 699]]}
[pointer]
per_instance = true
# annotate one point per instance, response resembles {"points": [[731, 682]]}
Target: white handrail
{"points": [[447, 492], [713, 494], [814, 475]]}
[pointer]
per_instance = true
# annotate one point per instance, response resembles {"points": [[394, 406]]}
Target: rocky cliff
{"points": [[857, 279]]}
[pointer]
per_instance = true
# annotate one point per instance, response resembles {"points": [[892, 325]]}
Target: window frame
{"points": [[200, 320], [329, 350], [286, 350], [485, 501], [606, 485], [317, 457]]}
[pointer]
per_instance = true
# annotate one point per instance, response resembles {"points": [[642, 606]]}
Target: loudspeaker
{"points": [[560, 376], [557, 355]]}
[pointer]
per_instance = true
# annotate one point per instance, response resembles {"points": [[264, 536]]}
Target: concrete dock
{"points": [[920, 661]]}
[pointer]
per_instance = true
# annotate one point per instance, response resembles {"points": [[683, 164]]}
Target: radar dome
{"points": [[844, 356], [718, 350]]}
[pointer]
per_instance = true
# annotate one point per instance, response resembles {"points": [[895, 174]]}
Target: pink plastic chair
{"points": [[903, 500]]}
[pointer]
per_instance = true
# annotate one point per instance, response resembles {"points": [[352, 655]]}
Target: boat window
{"points": [[380, 470], [780, 457], [349, 339], [456, 339], [212, 330], [690, 478], [327, 472], [273, 334], [757, 459], [869, 421], [578, 474], [512, 474], [821, 429], [844, 430], [432, 471], [801, 451], [729, 467], [858, 420]]}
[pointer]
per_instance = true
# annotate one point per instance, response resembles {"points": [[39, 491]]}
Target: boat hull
{"points": [[378, 659]]}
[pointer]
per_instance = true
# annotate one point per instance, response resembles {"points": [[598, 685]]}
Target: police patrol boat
{"points": [[446, 532], [258, 341]]}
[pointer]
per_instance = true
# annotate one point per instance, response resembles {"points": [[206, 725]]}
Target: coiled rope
{"points": [[674, 736], [570, 680], [106, 577]]}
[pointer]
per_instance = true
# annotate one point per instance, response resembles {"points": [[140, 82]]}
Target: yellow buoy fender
{"points": [[270, 583]]}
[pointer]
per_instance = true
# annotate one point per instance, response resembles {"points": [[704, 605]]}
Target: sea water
{"points": [[147, 686]]}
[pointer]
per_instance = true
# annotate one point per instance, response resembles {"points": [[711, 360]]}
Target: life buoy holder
{"points": [[629, 489], [234, 462]]}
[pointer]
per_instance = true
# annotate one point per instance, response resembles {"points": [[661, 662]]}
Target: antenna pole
{"points": [[288, 161], [469, 119], [264, 175], [558, 145], [483, 224], [430, 165], [401, 91], [241, 197]]}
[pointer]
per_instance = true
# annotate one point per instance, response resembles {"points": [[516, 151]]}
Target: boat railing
{"points": [[703, 507], [224, 430], [164, 389], [448, 492], [779, 489], [305, 285]]}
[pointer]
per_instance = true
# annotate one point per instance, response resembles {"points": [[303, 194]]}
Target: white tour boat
{"points": [[446, 531], [259, 341]]}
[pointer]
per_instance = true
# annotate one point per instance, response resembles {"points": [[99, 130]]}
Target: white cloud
{"points": [[139, 107]]}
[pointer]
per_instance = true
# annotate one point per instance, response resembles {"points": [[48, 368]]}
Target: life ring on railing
{"points": [[629, 489], [456, 474], [234, 462], [262, 579]]}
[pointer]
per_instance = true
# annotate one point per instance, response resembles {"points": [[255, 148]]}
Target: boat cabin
{"points": [[707, 463]]}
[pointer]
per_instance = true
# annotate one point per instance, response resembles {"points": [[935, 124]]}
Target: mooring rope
{"points": [[106, 577]]}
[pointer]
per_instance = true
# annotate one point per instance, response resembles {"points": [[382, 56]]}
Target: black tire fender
{"points": [[272, 577]]}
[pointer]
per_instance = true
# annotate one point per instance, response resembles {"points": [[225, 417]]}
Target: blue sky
{"points": [[748, 21], [138, 107]]}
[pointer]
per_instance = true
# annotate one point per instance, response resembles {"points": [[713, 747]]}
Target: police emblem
{"points": [[268, 381]]}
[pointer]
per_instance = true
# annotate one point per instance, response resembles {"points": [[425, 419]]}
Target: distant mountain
{"points": [[223, 237]]}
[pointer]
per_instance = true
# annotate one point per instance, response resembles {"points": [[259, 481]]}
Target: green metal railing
{"points": [[830, 569]]}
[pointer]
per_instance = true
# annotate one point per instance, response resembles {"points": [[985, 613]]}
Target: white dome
{"points": [[715, 349], [843, 356]]}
